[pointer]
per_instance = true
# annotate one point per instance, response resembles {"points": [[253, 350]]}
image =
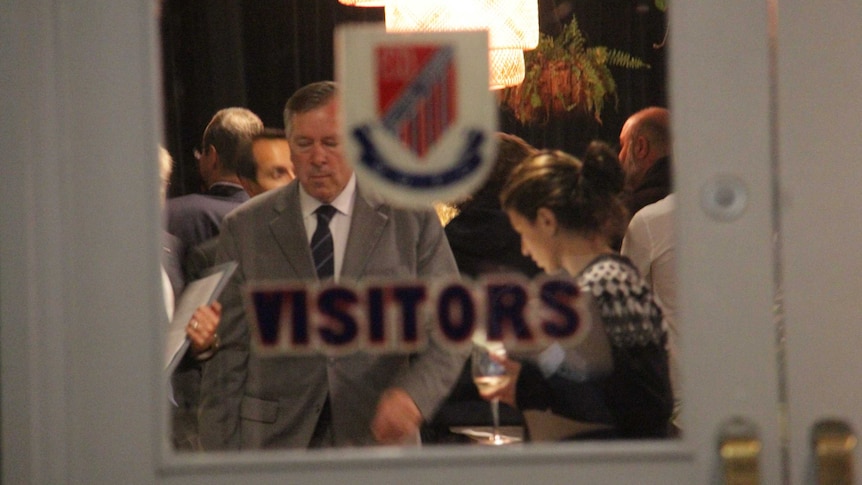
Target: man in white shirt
{"points": [[650, 243]]}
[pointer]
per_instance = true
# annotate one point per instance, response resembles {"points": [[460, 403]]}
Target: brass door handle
{"points": [[833, 442], [739, 448]]}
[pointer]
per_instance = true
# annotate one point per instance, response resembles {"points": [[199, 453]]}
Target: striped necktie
{"points": [[321, 243]]}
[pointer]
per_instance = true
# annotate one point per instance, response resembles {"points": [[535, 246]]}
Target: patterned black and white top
{"points": [[635, 399], [628, 311]]}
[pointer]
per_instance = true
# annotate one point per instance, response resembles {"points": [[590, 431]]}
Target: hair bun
{"points": [[602, 172]]}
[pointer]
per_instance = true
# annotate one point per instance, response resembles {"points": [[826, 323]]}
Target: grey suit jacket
{"points": [[249, 401]]}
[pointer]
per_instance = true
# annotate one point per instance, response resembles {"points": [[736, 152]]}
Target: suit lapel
{"points": [[369, 218], [289, 232]]}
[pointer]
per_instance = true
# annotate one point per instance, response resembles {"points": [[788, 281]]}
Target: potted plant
{"points": [[563, 74]]}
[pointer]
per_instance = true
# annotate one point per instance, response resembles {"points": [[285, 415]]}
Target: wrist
{"points": [[209, 351]]}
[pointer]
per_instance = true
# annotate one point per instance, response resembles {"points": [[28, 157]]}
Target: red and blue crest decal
{"points": [[416, 92]]}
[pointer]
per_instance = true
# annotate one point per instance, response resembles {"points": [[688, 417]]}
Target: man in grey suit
{"points": [[301, 401]]}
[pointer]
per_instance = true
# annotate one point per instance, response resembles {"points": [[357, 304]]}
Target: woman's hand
{"points": [[202, 327], [506, 394]]}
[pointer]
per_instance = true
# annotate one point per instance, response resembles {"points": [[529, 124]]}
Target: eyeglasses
{"points": [[200, 151]]}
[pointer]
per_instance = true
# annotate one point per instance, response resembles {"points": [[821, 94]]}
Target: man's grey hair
{"points": [[227, 131], [308, 98]]}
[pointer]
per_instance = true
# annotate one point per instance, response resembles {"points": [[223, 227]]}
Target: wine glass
{"points": [[489, 375]]}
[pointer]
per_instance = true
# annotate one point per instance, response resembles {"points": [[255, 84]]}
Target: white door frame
{"points": [[821, 227], [80, 283]]}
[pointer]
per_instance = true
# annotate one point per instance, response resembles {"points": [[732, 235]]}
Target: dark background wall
{"points": [[256, 53]]}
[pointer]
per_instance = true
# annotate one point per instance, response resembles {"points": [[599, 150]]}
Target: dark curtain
{"points": [[256, 53]]}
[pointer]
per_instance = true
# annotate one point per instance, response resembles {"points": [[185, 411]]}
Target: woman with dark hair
{"points": [[567, 212]]}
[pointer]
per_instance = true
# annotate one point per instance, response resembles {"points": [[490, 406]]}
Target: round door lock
{"points": [[724, 197]]}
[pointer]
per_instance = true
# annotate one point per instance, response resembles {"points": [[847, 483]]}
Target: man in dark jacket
{"points": [[195, 218]]}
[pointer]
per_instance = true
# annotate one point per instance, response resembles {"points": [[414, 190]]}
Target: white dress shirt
{"points": [[650, 242], [168, 294], [339, 226]]}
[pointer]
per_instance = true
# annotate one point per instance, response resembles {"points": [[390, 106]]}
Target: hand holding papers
{"points": [[202, 330], [199, 292]]}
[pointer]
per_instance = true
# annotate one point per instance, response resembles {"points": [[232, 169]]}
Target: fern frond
{"points": [[626, 60]]}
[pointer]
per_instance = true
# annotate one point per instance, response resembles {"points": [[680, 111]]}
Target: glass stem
{"points": [[495, 416]]}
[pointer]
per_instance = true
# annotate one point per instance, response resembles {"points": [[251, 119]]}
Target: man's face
{"points": [[537, 241], [626, 156], [315, 148], [272, 162], [632, 166]]}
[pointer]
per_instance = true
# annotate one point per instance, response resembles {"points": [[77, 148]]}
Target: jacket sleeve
{"points": [[433, 371]]}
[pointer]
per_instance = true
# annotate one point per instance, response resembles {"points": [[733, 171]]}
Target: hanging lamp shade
{"points": [[363, 3], [512, 25], [506, 67]]}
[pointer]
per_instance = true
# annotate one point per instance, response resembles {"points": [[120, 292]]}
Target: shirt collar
{"points": [[343, 202]]}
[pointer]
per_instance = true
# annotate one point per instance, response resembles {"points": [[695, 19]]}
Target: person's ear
{"points": [[215, 159], [206, 158], [641, 148], [546, 220]]}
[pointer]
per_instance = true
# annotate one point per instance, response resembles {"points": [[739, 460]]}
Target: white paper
{"points": [[197, 293]]}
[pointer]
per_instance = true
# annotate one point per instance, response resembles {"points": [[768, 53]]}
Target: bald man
{"points": [[645, 150]]}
